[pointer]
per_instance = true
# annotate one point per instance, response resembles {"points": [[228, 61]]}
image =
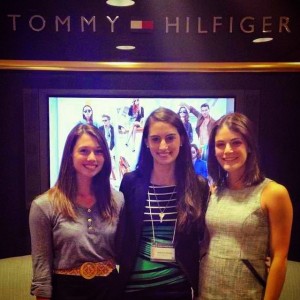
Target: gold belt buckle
{"points": [[88, 270]]}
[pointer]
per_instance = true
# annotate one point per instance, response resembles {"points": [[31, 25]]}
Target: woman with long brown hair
{"points": [[164, 202], [73, 225]]}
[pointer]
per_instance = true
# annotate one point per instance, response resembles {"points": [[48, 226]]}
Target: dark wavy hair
{"points": [[191, 189], [239, 123], [64, 191]]}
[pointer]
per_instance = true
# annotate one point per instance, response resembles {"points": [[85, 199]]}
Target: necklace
{"points": [[162, 211]]}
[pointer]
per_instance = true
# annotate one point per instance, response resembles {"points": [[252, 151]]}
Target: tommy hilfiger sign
{"points": [[215, 24], [153, 30]]}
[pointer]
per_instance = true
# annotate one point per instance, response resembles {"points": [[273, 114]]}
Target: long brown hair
{"points": [[192, 190], [63, 193]]}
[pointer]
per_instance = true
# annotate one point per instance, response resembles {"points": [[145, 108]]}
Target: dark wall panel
{"points": [[277, 127]]}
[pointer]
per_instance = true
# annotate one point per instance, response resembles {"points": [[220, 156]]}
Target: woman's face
{"points": [[194, 152], [183, 113], [163, 142], [87, 112], [87, 156], [231, 150]]}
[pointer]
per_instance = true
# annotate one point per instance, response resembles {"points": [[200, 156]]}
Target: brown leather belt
{"points": [[89, 270]]}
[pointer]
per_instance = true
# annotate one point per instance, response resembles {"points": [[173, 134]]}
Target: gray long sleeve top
{"points": [[58, 243]]}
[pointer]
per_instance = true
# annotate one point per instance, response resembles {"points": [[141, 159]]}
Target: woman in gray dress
{"points": [[248, 218]]}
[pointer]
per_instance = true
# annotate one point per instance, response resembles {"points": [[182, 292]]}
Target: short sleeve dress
{"points": [[237, 228]]}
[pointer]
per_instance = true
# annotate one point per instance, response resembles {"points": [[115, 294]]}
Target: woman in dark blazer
{"points": [[164, 203]]}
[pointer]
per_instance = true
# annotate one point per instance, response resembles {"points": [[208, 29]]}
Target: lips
{"points": [[163, 154], [91, 167], [229, 159]]}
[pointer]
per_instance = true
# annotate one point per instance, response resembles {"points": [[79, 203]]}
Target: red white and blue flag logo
{"points": [[141, 25]]}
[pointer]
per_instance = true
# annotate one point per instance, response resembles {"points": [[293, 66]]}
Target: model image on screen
{"points": [[184, 117], [136, 114], [117, 112]]}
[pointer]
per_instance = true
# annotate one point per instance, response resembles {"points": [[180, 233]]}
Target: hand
{"points": [[268, 262], [185, 105]]}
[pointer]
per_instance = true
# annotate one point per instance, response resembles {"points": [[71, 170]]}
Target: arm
{"points": [[193, 110], [277, 203], [41, 245], [120, 234], [190, 132]]}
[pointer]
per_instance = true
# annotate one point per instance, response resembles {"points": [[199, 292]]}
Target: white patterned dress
{"points": [[237, 228]]}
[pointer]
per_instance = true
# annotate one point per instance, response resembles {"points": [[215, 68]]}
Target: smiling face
{"points": [[164, 143], [87, 156], [205, 111], [231, 151]]}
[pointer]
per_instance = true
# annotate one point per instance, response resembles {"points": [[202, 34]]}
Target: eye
{"points": [[236, 143], [155, 139], [98, 152], [170, 138], [84, 151], [220, 145]]}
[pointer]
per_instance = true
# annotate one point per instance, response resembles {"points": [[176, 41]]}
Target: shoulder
{"points": [[275, 195], [42, 200], [41, 205], [128, 178], [274, 189], [117, 195], [131, 180]]}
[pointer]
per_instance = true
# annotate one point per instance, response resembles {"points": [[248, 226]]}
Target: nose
{"points": [[163, 145], [227, 148], [92, 156]]}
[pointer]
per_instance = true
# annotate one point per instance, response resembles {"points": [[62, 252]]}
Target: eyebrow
{"points": [[154, 135]]}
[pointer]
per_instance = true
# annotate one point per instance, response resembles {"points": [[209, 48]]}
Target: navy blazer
{"points": [[135, 186], [112, 138]]}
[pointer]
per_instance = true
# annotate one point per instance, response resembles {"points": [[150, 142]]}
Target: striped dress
{"points": [[159, 223]]}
